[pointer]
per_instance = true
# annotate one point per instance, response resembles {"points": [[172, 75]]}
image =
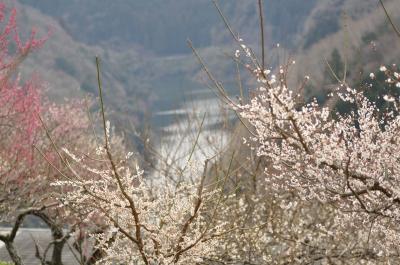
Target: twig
{"points": [[135, 213], [195, 143], [390, 19], [261, 15]]}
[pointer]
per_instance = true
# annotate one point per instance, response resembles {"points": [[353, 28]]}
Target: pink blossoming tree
{"points": [[26, 153]]}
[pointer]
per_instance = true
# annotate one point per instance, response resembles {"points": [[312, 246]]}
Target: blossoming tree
{"points": [[25, 151], [348, 160], [316, 186]]}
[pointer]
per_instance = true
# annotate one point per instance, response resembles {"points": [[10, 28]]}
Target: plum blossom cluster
{"points": [[348, 160], [141, 223], [25, 151], [392, 75], [19, 102], [318, 186], [286, 230]]}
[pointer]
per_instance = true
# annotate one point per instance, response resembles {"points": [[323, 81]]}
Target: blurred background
{"points": [[151, 76]]}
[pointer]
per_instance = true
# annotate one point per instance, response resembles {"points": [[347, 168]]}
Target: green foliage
{"points": [[5, 263]]}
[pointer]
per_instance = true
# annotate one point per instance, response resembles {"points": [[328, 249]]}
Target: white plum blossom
{"points": [[348, 160], [142, 223]]}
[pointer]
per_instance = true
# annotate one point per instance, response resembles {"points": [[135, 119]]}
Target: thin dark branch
{"points": [[390, 19], [261, 15], [101, 101], [138, 240]]}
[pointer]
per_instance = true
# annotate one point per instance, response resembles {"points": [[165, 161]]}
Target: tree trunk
{"points": [[12, 251], [56, 258], [59, 242]]}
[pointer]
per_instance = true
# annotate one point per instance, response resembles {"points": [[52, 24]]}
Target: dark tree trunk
{"points": [[58, 246], [12, 251]]}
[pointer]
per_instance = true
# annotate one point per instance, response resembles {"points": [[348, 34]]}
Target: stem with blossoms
{"points": [[349, 160]]}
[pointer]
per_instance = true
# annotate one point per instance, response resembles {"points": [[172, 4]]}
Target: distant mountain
{"points": [[147, 65], [359, 39], [162, 26]]}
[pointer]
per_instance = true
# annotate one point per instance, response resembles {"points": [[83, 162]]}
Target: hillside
{"points": [[68, 69], [147, 66], [364, 40], [162, 27]]}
